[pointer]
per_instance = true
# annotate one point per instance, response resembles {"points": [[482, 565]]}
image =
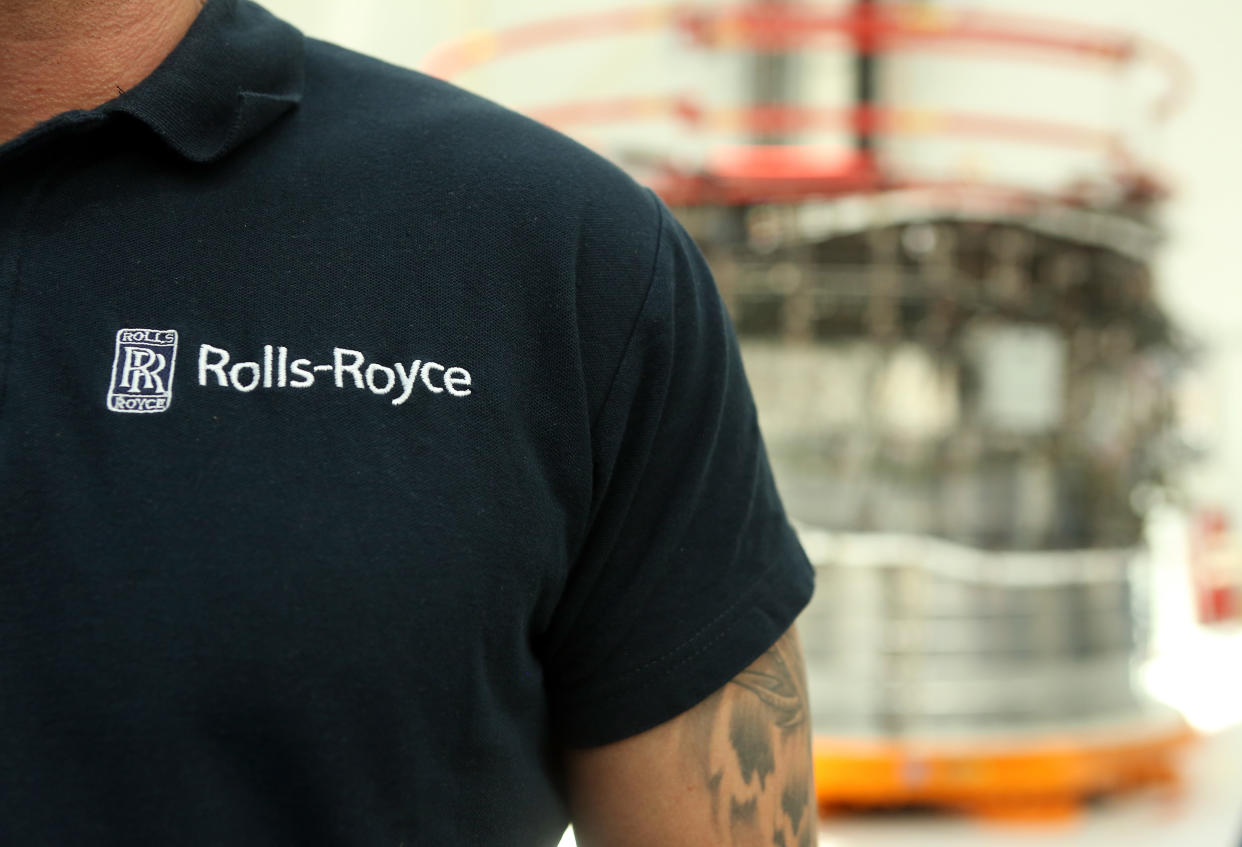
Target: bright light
{"points": [[1200, 679]]}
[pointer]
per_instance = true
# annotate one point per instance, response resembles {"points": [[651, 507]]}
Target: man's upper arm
{"points": [[687, 570], [734, 770]]}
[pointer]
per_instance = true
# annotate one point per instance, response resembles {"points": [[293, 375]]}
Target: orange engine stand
{"points": [[1044, 777]]}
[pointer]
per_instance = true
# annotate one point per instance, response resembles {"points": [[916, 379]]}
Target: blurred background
{"points": [[981, 258]]}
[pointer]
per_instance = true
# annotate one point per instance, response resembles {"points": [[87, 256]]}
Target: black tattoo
{"points": [[743, 814], [769, 735], [713, 787], [777, 686], [748, 732], [793, 801]]}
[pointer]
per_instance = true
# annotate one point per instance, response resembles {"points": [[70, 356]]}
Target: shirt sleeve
{"points": [[689, 570]]}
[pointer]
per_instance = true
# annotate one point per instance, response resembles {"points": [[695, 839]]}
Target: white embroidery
{"points": [[305, 379], [277, 372], [427, 382], [390, 378], [454, 378], [142, 371], [253, 367], [408, 381], [340, 368]]}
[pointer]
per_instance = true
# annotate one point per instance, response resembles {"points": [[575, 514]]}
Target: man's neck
{"points": [[59, 55]]}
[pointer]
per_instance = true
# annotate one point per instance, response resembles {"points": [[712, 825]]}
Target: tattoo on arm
{"points": [[760, 781]]}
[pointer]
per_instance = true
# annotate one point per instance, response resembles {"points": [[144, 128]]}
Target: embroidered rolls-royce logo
{"points": [[142, 373], [349, 368], [142, 370]]}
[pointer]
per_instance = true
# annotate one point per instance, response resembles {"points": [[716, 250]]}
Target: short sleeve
{"points": [[689, 569]]}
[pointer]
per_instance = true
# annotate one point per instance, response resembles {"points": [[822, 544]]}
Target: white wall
{"points": [[1200, 276]]}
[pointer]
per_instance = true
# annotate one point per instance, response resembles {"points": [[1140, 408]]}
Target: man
{"points": [[376, 466]]}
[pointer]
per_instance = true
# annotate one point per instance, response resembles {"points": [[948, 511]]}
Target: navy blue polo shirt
{"points": [[362, 446]]}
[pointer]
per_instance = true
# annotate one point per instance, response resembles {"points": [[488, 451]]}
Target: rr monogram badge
{"points": [[142, 371]]}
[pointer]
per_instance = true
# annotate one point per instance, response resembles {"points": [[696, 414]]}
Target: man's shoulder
{"points": [[415, 129]]}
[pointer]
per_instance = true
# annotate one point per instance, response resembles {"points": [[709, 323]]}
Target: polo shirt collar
{"points": [[236, 71]]}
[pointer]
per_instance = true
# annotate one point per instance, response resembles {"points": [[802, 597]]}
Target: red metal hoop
{"points": [[796, 26], [766, 173]]}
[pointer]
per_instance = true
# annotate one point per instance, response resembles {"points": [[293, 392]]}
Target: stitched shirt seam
{"points": [[642, 309]]}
